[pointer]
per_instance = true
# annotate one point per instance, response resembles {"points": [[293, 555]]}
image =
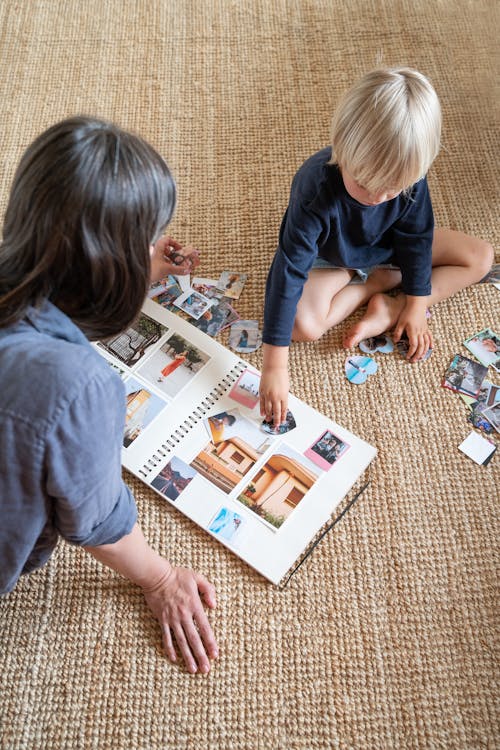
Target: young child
{"points": [[80, 248], [360, 211]]}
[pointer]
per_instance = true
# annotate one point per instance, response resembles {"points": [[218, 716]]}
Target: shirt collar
{"points": [[50, 320]]}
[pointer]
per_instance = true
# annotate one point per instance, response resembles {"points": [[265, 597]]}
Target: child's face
{"points": [[363, 196]]}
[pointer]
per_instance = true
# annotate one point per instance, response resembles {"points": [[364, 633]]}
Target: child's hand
{"points": [[273, 392], [169, 257], [413, 320], [177, 603], [274, 384]]}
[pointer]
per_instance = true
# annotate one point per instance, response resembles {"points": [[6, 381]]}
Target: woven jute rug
{"points": [[386, 637]]}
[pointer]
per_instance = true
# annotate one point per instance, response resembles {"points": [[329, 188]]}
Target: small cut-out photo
{"points": [[281, 429], [245, 336], [376, 344]]}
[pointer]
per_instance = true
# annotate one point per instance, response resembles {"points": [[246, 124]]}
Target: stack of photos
{"points": [[469, 378], [203, 304]]}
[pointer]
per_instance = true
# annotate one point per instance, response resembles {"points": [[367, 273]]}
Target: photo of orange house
{"points": [[279, 486], [226, 463]]}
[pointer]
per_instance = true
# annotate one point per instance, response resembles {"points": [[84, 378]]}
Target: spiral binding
{"points": [[198, 413]]}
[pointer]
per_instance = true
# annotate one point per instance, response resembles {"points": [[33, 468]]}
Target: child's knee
{"points": [[306, 329], [484, 257]]}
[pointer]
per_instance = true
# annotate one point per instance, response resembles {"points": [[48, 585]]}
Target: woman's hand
{"points": [[168, 257], [175, 595], [413, 320], [176, 601]]}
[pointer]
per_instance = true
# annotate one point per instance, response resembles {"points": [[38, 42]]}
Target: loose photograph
{"points": [[236, 443], [245, 336], [207, 287], [132, 345], [173, 365], [492, 414], [142, 407], [326, 450], [464, 376], [217, 317], [279, 486], [231, 283], [173, 478], [165, 293], [193, 303], [485, 346]]}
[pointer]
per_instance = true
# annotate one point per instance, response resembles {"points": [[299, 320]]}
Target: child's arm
{"points": [[274, 383], [413, 320], [174, 595]]}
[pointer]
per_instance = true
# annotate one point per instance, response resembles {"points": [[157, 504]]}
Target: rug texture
{"points": [[387, 637]]}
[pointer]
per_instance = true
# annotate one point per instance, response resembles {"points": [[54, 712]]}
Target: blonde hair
{"points": [[387, 128]]}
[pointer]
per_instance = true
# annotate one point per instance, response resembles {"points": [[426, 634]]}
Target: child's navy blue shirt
{"points": [[322, 219], [62, 416]]}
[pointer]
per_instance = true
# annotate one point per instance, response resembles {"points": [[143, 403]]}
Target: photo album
{"points": [[195, 435]]}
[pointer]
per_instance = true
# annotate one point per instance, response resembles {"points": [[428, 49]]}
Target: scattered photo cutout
{"points": [[464, 376], [206, 287], [193, 303], [173, 365], [245, 336], [228, 525], [403, 347], [165, 292], [279, 486], [357, 369], [236, 443], [173, 478], [488, 395], [478, 420], [326, 450], [131, 345], [281, 429], [246, 389], [217, 317], [485, 346], [377, 344], [493, 276], [231, 283], [492, 414], [478, 448], [142, 407]]}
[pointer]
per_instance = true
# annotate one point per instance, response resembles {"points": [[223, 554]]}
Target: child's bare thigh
{"points": [[319, 290]]}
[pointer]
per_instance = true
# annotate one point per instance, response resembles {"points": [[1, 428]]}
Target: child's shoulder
{"points": [[315, 174]]}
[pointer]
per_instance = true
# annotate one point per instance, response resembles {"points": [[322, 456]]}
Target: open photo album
{"points": [[195, 435]]}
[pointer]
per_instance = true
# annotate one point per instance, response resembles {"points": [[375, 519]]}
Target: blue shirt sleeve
{"points": [[300, 231], [412, 238], [92, 505]]}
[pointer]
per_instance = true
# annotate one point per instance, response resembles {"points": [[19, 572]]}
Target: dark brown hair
{"points": [[87, 201]]}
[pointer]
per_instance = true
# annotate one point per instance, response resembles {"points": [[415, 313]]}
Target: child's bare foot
{"points": [[381, 315]]}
